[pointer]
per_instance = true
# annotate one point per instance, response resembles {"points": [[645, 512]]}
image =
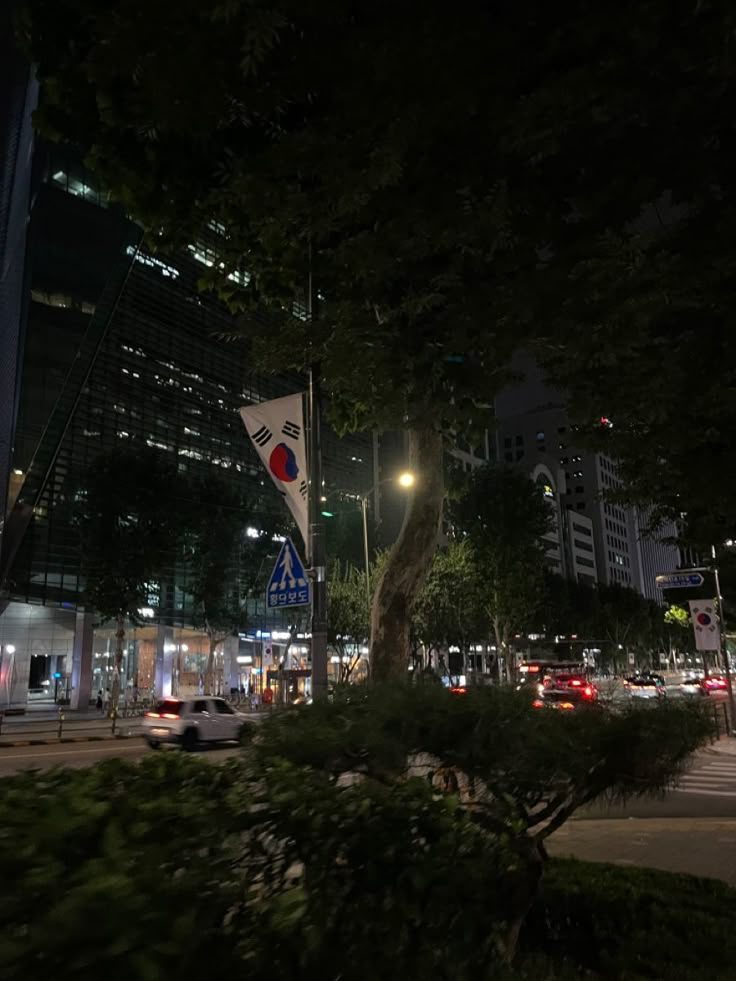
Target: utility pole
{"points": [[724, 641], [316, 544], [366, 558]]}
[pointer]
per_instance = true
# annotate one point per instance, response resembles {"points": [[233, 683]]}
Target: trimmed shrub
{"points": [[175, 867], [634, 924]]}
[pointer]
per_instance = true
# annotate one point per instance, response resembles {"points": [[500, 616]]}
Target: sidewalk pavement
{"points": [[725, 746], [698, 846]]}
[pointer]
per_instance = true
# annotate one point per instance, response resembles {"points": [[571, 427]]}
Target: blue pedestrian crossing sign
{"points": [[288, 585]]}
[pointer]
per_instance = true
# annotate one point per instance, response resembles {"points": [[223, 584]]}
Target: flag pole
{"points": [[316, 545]]}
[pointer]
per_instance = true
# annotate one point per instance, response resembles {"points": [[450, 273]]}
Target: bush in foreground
{"points": [[634, 924], [395, 833], [175, 868], [518, 772]]}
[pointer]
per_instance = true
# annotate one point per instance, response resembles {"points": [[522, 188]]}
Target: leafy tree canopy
{"points": [[434, 176], [450, 610], [228, 535], [504, 516]]}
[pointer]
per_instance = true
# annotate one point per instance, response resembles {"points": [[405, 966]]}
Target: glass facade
{"points": [[140, 368]]}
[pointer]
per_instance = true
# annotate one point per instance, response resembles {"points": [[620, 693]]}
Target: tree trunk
{"points": [[117, 674], [524, 889], [508, 658], [408, 562]]}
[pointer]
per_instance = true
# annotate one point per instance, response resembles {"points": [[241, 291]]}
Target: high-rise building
{"points": [[121, 350], [18, 92], [594, 539]]}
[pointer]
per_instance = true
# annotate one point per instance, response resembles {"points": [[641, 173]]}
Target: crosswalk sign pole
{"points": [[316, 544]]}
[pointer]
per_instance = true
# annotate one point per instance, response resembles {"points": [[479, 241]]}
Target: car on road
{"points": [[698, 687], [645, 686], [574, 682], [572, 700], [191, 722]]}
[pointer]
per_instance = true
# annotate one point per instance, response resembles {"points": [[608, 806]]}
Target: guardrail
{"points": [[722, 722], [60, 727]]}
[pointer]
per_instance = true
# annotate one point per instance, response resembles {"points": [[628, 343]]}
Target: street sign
{"points": [[679, 580], [288, 585]]}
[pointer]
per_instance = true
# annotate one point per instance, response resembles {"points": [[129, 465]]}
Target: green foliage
{"points": [[677, 616], [634, 924], [221, 561], [321, 853], [608, 615], [567, 607], [529, 769], [348, 615], [128, 529], [457, 201], [312, 133], [364, 862], [115, 869], [624, 619], [170, 867], [504, 516], [451, 609], [344, 532]]}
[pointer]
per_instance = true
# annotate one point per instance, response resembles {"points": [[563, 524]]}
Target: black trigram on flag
{"points": [[303, 488], [261, 436], [291, 429]]}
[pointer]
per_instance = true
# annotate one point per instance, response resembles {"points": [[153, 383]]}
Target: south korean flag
{"points": [[276, 429]]}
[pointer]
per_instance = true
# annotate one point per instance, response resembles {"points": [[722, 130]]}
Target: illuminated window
{"points": [[167, 271]]}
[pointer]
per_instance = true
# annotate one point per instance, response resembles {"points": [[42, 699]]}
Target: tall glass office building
{"points": [[120, 350]]}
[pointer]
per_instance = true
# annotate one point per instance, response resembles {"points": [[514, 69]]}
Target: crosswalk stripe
{"points": [[711, 784], [721, 774], [715, 774], [709, 793]]}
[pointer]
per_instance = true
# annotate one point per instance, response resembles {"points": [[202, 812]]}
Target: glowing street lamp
{"points": [[406, 480]]}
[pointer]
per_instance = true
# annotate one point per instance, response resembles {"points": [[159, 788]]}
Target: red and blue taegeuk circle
{"points": [[703, 619], [282, 463]]}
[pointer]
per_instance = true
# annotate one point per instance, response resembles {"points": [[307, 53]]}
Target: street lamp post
{"points": [[406, 481], [364, 509], [724, 641]]}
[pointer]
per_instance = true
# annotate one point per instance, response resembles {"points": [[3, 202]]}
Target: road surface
{"points": [[707, 790], [19, 758]]}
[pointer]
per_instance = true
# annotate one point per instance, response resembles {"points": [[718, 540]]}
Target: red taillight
{"points": [[537, 703], [588, 691], [576, 683], [170, 715], [153, 715]]}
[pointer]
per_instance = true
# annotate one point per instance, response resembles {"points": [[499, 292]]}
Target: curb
{"points": [[64, 739]]}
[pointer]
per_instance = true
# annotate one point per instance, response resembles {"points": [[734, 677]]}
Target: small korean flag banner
{"points": [[705, 622], [276, 430]]}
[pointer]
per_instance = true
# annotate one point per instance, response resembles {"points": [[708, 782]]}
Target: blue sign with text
{"points": [[679, 580]]}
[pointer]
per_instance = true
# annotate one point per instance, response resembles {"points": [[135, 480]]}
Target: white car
{"points": [[189, 722]]}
